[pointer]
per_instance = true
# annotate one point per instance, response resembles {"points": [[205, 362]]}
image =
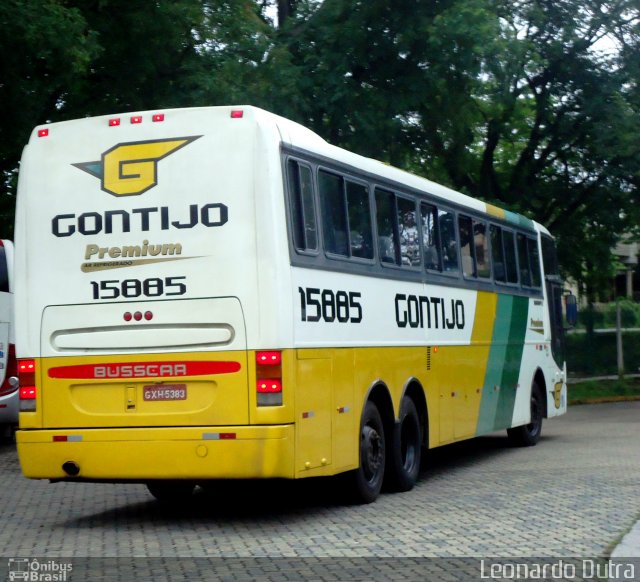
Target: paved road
{"points": [[575, 494]]}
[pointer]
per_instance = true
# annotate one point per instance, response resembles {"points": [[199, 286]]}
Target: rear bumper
{"points": [[139, 454]]}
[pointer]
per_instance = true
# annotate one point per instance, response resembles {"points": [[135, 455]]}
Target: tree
{"points": [[44, 46], [509, 101]]}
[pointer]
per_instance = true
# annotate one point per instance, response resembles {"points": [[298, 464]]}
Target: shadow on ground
{"points": [[265, 500]]}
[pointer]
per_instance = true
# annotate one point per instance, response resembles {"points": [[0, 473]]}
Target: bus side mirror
{"points": [[571, 304]]}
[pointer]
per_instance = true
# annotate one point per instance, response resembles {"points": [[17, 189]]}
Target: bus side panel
{"points": [[503, 367]]}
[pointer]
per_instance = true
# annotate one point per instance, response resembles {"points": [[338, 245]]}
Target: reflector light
{"points": [[127, 316], [237, 114], [43, 132], [158, 117], [113, 122], [59, 438], [136, 119], [27, 383], [137, 316], [28, 393], [148, 315], [268, 358], [269, 386]]}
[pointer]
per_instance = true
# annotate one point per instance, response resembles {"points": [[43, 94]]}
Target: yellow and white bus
{"points": [[218, 293]]}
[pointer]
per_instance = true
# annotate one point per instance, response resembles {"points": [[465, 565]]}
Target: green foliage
{"points": [[629, 314], [44, 46], [603, 390], [595, 354]]}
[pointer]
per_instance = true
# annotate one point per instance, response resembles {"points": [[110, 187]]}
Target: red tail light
{"points": [[27, 379], [11, 371], [269, 378]]}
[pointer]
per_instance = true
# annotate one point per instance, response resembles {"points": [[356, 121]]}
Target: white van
{"points": [[8, 366]]}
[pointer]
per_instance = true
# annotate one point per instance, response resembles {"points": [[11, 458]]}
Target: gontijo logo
{"points": [[130, 169]]}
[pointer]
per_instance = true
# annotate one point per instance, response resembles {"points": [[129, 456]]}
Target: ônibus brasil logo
{"points": [[130, 169]]}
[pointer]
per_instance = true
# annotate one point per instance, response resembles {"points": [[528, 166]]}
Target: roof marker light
{"points": [[158, 117], [113, 122], [43, 132], [136, 119], [237, 114]]}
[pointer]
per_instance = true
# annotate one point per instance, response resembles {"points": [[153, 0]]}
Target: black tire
{"points": [[171, 492], [365, 482], [404, 460], [529, 434]]}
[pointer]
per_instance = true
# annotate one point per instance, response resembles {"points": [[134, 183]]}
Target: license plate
{"points": [[165, 392]]}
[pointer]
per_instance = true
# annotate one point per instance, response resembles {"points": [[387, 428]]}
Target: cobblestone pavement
{"points": [[575, 494]]}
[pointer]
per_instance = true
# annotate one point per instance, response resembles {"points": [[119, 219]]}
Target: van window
{"points": [[4, 271]]}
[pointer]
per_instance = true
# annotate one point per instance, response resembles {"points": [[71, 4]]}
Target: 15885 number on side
{"points": [[328, 305]]}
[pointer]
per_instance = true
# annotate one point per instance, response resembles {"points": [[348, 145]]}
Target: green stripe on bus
{"points": [[519, 220], [512, 363], [497, 357], [503, 367]]}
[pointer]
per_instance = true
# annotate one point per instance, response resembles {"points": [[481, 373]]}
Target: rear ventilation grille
{"points": [[428, 358]]}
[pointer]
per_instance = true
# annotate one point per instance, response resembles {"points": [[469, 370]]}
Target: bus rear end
{"points": [[137, 282]]}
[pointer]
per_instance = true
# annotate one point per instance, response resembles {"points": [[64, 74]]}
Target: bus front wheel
{"points": [[365, 482], [529, 434]]}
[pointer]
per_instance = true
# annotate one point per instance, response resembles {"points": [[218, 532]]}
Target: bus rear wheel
{"points": [[529, 434], [171, 492], [365, 482], [407, 447]]}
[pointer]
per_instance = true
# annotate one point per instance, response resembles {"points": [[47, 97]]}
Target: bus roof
{"points": [[299, 136]]}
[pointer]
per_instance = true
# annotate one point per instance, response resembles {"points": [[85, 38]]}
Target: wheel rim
{"points": [[372, 452]]}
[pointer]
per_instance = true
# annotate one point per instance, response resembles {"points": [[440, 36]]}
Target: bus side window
{"points": [[523, 261], [386, 221], [467, 246], [481, 243], [334, 213], [408, 232], [430, 237], [497, 254], [359, 221], [534, 262], [448, 240], [510, 256], [305, 237]]}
